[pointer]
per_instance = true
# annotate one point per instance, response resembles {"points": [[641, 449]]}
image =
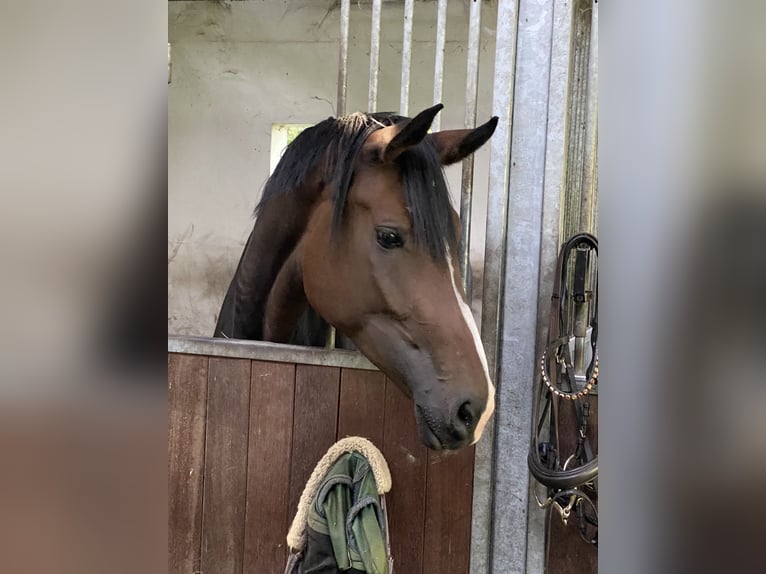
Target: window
{"points": [[281, 136]]}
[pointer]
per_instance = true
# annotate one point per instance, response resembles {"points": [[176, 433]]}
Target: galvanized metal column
{"points": [[589, 201], [441, 39], [520, 295], [372, 94], [494, 270], [340, 106], [578, 213], [466, 187], [404, 98], [553, 191], [518, 161]]}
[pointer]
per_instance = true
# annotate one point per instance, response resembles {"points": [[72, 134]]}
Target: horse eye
{"points": [[389, 238]]}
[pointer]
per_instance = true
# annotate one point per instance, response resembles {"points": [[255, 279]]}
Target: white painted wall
{"points": [[240, 67]]}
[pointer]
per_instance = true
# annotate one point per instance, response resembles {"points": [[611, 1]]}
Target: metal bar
{"points": [[578, 118], [466, 186], [372, 96], [404, 98], [330, 342], [526, 183], [589, 199], [494, 266], [441, 39], [574, 190], [263, 351], [555, 179], [343, 58], [345, 9]]}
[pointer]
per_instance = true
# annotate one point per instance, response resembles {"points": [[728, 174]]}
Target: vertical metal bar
{"points": [[526, 184], [372, 97], [494, 267], [404, 99], [466, 186], [576, 195], [343, 58], [589, 198], [340, 109], [574, 189], [441, 39], [330, 341], [554, 187]]}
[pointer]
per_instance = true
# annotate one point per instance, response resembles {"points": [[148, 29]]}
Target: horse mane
{"points": [[330, 148]]}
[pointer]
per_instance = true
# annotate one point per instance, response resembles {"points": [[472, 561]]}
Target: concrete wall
{"points": [[238, 68]]}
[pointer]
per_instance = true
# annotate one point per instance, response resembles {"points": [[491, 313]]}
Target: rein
{"points": [[568, 376]]}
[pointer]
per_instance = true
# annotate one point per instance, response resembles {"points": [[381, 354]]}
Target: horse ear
{"points": [[454, 145], [386, 144]]}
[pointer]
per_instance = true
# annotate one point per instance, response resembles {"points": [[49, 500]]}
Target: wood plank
{"points": [[223, 514], [362, 405], [568, 426], [270, 439], [449, 494], [315, 423], [567, 551], [407, 458], [187, 400]]}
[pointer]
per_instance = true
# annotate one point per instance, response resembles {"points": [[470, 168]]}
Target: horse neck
{"points": [[280, 224]]}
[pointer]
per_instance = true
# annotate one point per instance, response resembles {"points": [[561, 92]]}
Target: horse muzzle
{"points": [[448, 430]]}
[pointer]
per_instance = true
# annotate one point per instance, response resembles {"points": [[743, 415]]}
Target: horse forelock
{"points": [[330, 149], [427, 198]]}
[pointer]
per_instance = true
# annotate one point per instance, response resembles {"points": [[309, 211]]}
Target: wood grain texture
{"points": [[187, 400], [271, 425], [251, 433], [407, 458], [449, 495], [315, 424], [223, 515], [362, 405], [568, 553], [569, 427]]}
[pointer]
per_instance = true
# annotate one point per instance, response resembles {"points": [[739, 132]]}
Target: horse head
{"points": [[377, 259]]}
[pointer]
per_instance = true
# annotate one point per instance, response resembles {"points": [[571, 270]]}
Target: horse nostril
{"points": [[465, 415]]}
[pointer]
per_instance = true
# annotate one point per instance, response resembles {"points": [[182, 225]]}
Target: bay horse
{"points": [[355, 227]]}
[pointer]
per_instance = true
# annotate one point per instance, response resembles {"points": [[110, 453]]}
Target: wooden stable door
{"points": [[244, 436]]}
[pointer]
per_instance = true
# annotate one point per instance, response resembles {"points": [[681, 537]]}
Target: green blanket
{"points": [[347, 509]]}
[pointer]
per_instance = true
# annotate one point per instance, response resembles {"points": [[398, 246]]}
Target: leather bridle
{"points": [[568, 376]]}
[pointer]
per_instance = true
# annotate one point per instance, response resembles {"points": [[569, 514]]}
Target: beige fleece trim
{"points": [[296, 537]]}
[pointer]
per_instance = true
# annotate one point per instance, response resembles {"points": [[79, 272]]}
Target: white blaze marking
{"points": [[471, 324]]}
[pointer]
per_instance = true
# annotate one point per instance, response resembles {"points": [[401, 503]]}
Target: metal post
{"points": [[520, 294], [589, 198], [372, 97], [466, 187], [578, 201], [554, 187], [343, 58], [441, 38], [340, 110], [494, 266], [404, 99]]}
